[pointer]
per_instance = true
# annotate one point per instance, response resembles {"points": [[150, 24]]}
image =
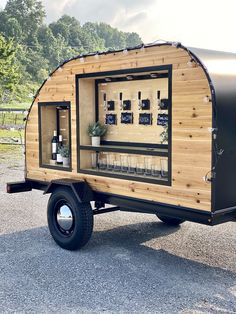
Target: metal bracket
{"points": [[81, 189]]}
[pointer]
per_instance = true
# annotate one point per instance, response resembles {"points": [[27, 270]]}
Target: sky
{"points": [[207, 24]]}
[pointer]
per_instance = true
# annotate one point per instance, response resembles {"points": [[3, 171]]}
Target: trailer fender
{"points": [[80, 188]]}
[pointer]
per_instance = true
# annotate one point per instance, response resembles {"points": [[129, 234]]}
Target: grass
{"points": [[16, 105], [10, 152], [11, 133], [9, 118]]}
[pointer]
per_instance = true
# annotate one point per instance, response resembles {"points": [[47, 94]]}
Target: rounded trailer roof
{"points": [[221, 70]]}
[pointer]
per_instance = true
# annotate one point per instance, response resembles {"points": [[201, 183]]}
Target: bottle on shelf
{"points": [[54, 145], [59, 156]]}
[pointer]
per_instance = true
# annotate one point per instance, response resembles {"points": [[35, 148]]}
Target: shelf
{"points": [[127, 149], [58, 167], [127, 176]]}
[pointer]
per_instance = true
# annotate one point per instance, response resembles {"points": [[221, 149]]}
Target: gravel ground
{"points": [[133, 262]]}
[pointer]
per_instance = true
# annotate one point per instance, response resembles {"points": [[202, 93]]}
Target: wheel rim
{"points": [[65, 218]]}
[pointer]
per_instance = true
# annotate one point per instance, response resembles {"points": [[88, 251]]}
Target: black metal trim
{"points": [[37, 184], [168, 68], [18, 187], [125, 203], [80, 188], [51, 103], [170, 126], [135, 78], [125, 150], [77, 121], [96, 102], [125, 71], [105, 210], [110, 143], [145, 206]]}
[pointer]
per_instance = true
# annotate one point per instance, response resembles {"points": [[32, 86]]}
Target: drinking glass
{"points": [[124, 163], [148, 166], [116, 166], [102, 163], [155, 171], [110, 160], [140, 169], [94, 162], [164, 168], [132, 163]]}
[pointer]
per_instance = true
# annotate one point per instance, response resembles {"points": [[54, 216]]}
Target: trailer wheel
{"points": [[171, 221], [70, 222]]}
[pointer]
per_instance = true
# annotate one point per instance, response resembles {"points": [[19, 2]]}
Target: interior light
{"points": [[81, 60], [108, 79], [125, 52], [142, 48], [129, 77], [153, 75], [176, 44]]}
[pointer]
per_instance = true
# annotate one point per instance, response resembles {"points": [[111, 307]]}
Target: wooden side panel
{"points": [[191, 118]]}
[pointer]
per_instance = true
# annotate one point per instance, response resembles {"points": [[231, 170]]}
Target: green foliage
{"points": [[10, 118], [164, 135], [34, 49], [28, 13], [5, 133], [9, 71], [97, 129], [64, 151]]}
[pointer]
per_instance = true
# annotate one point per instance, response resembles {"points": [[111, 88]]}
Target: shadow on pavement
{"points": [[115, 272]]}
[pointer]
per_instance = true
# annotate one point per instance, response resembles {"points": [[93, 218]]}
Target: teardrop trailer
{"points": [[170, 146]]}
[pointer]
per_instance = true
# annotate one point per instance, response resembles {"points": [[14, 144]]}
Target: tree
{"points": [[28, 13], [114, 39], [34, 49], [93, 41], [69, 28], [14, 29], [133, 39], [9, 71]]}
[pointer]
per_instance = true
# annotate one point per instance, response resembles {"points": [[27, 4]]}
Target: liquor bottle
{"points": [[54, 145], [59, 156], [105, 102], [121, 103], [140, 104]]}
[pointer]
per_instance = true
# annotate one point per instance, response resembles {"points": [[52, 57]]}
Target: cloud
{"points": [[119, 13], [209, 24], [131, 21]]}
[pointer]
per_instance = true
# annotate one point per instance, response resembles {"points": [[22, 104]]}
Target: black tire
{"points": [[171, 221], [81, 219]]}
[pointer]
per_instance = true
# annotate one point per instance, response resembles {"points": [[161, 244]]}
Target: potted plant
{"points": [[95, 131], [164, 135], [65, 153]]}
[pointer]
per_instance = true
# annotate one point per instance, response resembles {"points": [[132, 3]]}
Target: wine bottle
{"points": [[59, 156], [54, 145]]}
